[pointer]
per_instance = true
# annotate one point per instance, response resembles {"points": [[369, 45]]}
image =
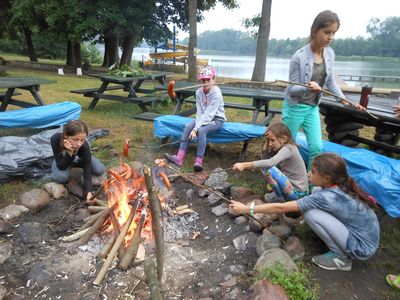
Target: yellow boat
{"points": [[178, 46], [170, 55]]}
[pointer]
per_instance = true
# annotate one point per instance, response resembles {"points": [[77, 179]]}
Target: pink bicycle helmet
{"points": [[206, 73]]}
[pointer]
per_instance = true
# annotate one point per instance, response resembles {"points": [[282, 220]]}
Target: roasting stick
{"points": [[343, 100], [212, 191]]}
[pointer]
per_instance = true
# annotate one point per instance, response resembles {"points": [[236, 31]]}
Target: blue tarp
{"points": [[41, 116], [377, 174], [172, 126]]}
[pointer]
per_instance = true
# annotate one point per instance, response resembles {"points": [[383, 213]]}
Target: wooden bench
{"points": [[89, 92], [172, 126], [2, 94]]}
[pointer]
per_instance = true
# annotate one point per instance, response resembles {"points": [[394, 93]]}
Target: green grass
{"points": [[298, 285]]}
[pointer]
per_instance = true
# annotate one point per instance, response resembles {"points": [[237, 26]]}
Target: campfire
{"points": [[131, 215]]}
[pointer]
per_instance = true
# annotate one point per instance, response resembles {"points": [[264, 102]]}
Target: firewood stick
{"points": [[114, 222], [100, 202], [113, 252], [131, 252], [91, 220], [95, 227], [152, 280], [74, 236], [107, 247], [96, 209], [181, 207], [156, 217]]}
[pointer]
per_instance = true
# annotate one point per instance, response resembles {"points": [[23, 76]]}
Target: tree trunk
{"points": [[192, 63], [113, 50], [29, 45], [70, 54], [262, 42], [77, 55], [127, 49], [106, 56]]}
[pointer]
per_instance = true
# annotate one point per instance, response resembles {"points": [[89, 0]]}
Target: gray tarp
{"points": [[32, 156]]}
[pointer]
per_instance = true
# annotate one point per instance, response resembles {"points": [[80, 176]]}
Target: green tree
{"points": [[387, 34]]}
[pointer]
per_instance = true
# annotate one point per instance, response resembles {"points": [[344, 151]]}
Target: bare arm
{"points": [[268, 208]]}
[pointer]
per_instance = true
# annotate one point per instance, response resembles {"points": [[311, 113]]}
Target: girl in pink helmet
{"points": [[210, 116]]}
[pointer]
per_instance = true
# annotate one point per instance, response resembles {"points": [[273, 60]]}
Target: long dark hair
{"points": [[333, 166], [280, 130], [72, 128], [322, 20]]}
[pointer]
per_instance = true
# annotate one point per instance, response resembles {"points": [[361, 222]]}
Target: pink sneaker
{"points": [[198, 167], [173, 158]]}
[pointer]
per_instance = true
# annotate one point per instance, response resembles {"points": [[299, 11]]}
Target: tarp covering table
{"points": [[56, 114], [377, 174], [172, 126]]}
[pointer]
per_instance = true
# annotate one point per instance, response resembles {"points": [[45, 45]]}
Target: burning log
{"points": [[152, 280], [156, 217], [96, 226], [113, 251], [100, 202], [131, 252], [96, 209], [108, 245]]}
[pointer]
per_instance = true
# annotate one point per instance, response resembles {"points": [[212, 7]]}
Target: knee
{"points": [[201, 133], [97, 167], [311, 216], [60, 177]]}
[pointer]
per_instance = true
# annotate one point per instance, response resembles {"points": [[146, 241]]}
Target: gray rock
{"points": [[234, 294], [12, 211], [99, 180], [267, 241], [281, 230], [273, 256], [38, 273], [294, 248], [220, 209], [204, 193], [240, 220], [217, 178], [33, 233], [213, 198], [5, 251], [224, 188], [246, 241], [35, 199], [56, 190], [236, 269], [265, 290], [190, 194], [6, 227], [137, 166]]}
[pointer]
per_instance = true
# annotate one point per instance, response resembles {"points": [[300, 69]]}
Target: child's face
{"points": [[76, 140], [317, 179], [209, 84], [275, 143], [325, 36]]}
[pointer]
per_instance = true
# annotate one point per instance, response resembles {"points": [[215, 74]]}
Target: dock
{"points": [[361, 78]]}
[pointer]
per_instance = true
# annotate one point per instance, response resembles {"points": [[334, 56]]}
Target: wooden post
{"points": [[156, 217], [152, 281]]}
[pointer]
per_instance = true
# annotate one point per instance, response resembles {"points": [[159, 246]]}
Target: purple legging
{"points": [[213, 126]]}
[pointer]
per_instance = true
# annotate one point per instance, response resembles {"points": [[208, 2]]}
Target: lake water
{"points": [[241, 67]]}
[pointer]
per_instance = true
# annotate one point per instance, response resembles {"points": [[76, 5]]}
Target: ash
{"points": [[180, 227]]}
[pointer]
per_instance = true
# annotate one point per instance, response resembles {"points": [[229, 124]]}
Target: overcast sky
{"points": [[293, 18]]}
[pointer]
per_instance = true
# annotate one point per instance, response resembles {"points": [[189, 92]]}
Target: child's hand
{"points": [[192, 135], [89, 199], [396, 109], [239, 167], [314, 87], [68, 146], [238, 208]]}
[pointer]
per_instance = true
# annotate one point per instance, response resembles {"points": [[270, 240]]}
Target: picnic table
{"points": [[131, 85], [31, 84]]}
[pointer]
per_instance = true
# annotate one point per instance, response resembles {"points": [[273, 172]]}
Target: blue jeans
{"points": [[306, 117], [61, 176], [213, 126]]}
